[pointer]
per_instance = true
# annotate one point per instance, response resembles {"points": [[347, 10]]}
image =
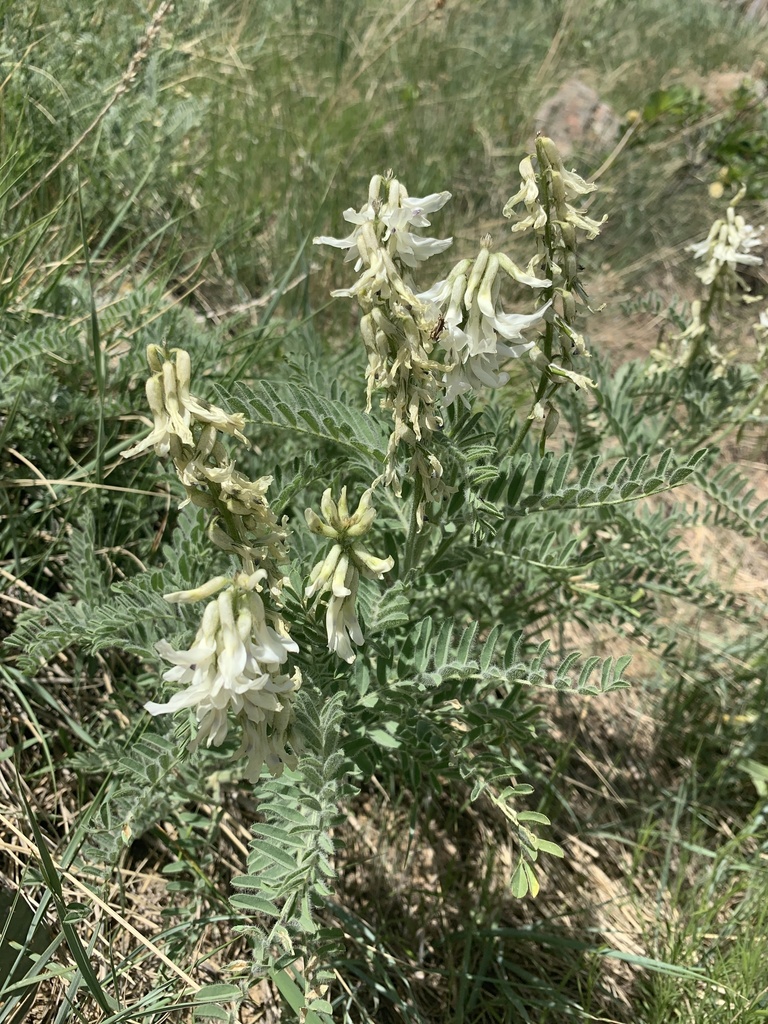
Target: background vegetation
{"points": [[161, 173]]}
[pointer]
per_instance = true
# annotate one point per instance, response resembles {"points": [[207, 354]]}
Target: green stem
{"points": [[411, 548], [705, 315], [541, 392]]}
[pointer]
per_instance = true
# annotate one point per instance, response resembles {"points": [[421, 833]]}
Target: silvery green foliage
{"points": [[477, 565]]}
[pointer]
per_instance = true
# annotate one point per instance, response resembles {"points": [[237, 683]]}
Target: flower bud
{"points": [[362, 525], [339, 587], [155, 358], [329, 509], [548, 153], [322, 572], [477, 272], [199, 593], [558, 188], [343, 507], [200, 499]]}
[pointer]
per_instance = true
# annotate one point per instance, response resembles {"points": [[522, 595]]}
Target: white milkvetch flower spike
{"points": [[340, 569], [727, 246], [476, 329], [391, 219], [386, 246], [233, 669]]}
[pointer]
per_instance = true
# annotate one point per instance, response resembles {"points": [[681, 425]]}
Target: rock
{"points": [[576, 118]]}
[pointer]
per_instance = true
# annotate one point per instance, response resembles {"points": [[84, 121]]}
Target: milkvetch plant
{"points": [[370, 588]]}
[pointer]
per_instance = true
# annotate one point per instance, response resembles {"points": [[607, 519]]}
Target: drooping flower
{"points": [[340, 569], [233, 670], [475, 328]]}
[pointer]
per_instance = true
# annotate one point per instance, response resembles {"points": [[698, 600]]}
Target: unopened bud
{"points": [[200, 499], [569, 235], [155, 358], [550, 423], [546, 149], [323, 571], [199, 593], [362, 525], [374, 189], [476, 275], [343, 507], [558, 188], [329, 509]]}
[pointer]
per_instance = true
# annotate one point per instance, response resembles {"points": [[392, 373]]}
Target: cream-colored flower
{"points": [[340, 569], [564, 187], [727, 245], [233, 669], [394, 216], [175, 410], [476, 330]]}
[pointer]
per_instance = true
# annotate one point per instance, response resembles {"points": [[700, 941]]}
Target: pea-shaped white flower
{"points": [[340, 569], [234, 666], [475, 329]]}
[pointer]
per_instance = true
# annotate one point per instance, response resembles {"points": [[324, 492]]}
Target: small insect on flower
{"points": [[438, 329]]}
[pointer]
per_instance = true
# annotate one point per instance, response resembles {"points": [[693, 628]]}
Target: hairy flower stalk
{"points": [[338, 572], [234, 667], [547, 194]]}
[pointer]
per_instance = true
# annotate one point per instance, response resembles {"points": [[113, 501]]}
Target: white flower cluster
{"points": [[234, 666], [548, 192], [727, 246], [474, 322], [725, 249], [426, 349], [397, 337], [381, 231], [339, 571], [175, 410]]}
